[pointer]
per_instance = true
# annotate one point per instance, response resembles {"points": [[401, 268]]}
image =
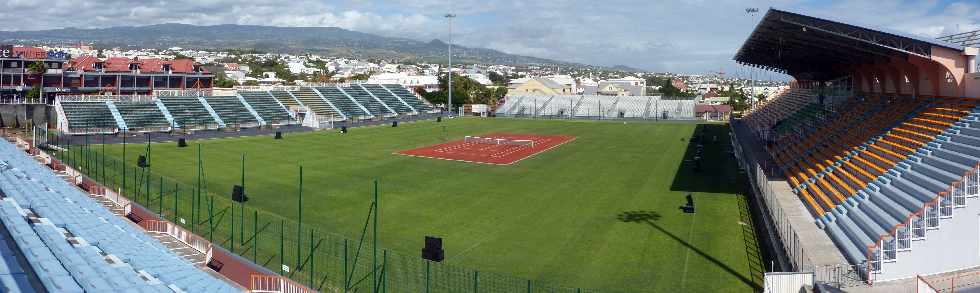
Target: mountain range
{"points": [[328, 41]]}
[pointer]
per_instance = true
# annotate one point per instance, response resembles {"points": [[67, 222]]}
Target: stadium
{"points": [[861, 177]]}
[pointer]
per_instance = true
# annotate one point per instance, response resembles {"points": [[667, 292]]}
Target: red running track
{"points": [[497, 154]]}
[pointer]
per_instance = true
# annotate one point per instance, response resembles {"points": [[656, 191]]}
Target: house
{"points": [[713, 112], [628, 86], [541, 85]]}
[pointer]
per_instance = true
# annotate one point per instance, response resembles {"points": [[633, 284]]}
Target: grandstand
{"points": [[413, 100], [267, 107], [232, 111], [343, 102], [888, 174], [89, 117], [140, 116], [73, 244], [250, 108], [189, 113], [596, 107]]}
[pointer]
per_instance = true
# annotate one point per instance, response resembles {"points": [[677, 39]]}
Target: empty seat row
{"points": [[188, 112], [95, 234], [83, 116], [142, 116], [271, 111], [231, 110]]}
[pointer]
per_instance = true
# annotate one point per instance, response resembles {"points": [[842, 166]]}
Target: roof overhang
{"points": [[811, 48]]}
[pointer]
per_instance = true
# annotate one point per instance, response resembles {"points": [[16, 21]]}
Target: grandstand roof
{"points": [[813, 48]]}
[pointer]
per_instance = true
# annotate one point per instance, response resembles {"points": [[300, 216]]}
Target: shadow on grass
{"points": [[717, 170], [650, 217]]}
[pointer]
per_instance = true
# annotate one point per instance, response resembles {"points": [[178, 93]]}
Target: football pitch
{"points": [[600, 212]]}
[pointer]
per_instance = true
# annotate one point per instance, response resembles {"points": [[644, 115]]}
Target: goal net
{"points": [[500, 141]]}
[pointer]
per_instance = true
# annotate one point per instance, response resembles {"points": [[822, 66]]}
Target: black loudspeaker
{"points": [[141, 162], [278, 134], [394, 123], [181, 142], [343, 129], [433, 249], [439, 119], [238, 194]]}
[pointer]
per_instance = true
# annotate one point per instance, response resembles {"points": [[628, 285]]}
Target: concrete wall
{"points": [[955, 245], [18, 115]]}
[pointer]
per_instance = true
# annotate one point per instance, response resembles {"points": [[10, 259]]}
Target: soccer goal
{"points": [[500, 141]]}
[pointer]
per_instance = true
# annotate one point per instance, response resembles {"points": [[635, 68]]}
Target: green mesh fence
{"points": [[320, 260]]}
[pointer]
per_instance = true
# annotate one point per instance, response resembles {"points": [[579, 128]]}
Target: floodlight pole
{"points": [[449, 105]]}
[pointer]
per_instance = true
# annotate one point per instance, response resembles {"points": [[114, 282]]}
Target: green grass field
{"points": [[599, 212]]}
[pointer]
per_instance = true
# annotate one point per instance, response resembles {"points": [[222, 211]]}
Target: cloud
{"points": [[690, 36]]}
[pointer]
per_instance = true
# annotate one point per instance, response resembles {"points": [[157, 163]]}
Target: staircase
{"points": [[117, 116], [251, 110], [166, 114], [214, 114]]}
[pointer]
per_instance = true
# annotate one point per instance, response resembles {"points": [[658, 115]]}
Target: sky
{"points": [[686, 36]]}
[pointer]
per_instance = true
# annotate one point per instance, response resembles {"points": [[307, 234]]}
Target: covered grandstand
{"points": [[312, 106], [868, 167], [596, 107]]}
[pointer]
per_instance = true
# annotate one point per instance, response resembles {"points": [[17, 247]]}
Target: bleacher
{"points": [[629, 107], [16, 275], [189, 113], [316, 104], [869, 172], [388, 98], [596, 107], [364, 98], [674, 109], [266, 106], [142, 116], [74, 244], [86, 117], [231, 110], [284, 98], [764, 116], [342, 102], [410, 98]]}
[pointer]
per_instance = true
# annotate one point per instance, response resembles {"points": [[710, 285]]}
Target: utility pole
{"points": [[449, 105]]}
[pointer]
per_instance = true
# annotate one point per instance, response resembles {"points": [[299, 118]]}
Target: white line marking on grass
{"points": [[687, 254]]}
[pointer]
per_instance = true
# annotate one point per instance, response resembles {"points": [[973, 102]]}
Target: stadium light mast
{"points": [[752, 11], [449, 105]]}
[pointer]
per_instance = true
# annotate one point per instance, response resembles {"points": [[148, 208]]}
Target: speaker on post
{"points": [[278, 134], [141, 162], [343, 129], [181, 142], [433, 249], [394, 123], [439, 119], [238, 194]]}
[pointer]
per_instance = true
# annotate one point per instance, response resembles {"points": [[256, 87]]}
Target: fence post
{"points": [[476, 281], [529, 286], [160, 198], [176, 197], [282, 240], [346, 280], [255, 236], [232, 235], [428, 274], [210, 218], [312, 249]]}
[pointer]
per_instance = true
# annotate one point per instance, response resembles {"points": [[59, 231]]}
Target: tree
{"points": [[36, 67], [465, 91], [222, 81], [178, 56], [34, 94], [497, 78]]}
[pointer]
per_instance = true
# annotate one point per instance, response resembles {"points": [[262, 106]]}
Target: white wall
{"points": [[955, 245]]}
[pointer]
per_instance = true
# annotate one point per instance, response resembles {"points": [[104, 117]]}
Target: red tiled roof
{"points": [[121, 64]]}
